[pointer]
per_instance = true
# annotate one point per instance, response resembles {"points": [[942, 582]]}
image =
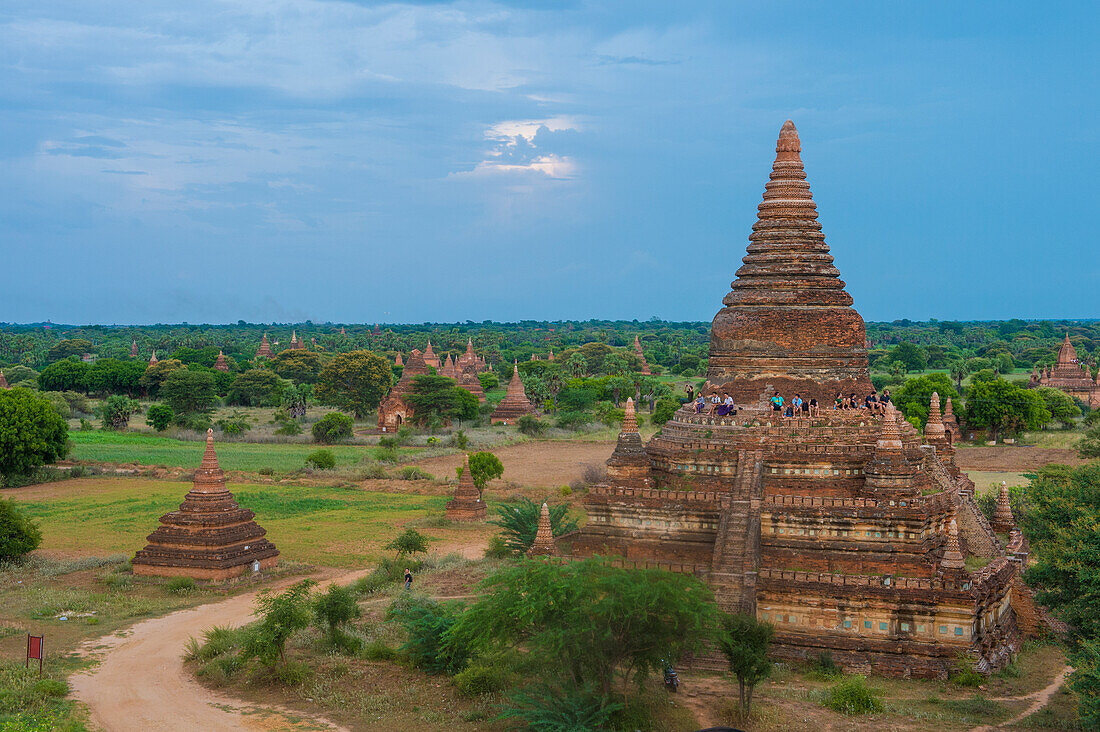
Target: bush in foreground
{"points": [[18, 534], [321, 460], [332, 428], [853, 696]]}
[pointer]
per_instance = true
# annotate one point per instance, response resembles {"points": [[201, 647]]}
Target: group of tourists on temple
{"points": [[872, 401], [721, 404]]}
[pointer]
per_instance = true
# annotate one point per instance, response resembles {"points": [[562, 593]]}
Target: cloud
{"points": [[519, 146]]}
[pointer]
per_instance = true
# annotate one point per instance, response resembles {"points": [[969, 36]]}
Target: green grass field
{"points": [[144, 449], [326, 526]]}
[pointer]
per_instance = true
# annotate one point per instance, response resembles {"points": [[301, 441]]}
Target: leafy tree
{"points": [[1085, 681], [302, 367], [1063, 527], [64, 376], [468, 405], [205, 357], [1001, 405], [188, 392], [280, 616], [114, 376], [71, 347], [21, 376], [593, 620], [1089, 445], [159, 417], [484, 466], [488, 380], [436, 398], [1061, 406], [909, 355], [295, 399], [354, 382], [156, 374], [519, 522], [983, 375], [618, 385], [255, 388], [116, 411], [410, 541], [1003, 363], [577, 365], [321, 459], [332, 428], [333, 609], [664, 411], [913, 398], [31, 432], [745, 642], [615, 365], [18, 534], [530, 425]]}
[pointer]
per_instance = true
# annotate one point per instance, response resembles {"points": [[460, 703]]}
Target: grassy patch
{"points": [[145, 449]]}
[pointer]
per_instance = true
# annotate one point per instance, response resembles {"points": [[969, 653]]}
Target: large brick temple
{"points": [[848, 530], [1069, 375]]}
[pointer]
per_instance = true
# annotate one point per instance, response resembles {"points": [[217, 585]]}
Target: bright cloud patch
{"points": [[521, 146]]}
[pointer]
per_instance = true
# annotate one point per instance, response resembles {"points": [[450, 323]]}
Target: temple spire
{"points": [[1003, 520], [630, 419], [933, 428], [3, 381], [890, 437], [544, 537], [952, 554]]}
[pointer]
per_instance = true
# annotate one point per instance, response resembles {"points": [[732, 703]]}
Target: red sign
{"points": [[35, 650]]}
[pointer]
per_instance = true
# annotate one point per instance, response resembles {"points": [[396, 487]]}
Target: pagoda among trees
{"points": [[1070, 376]]}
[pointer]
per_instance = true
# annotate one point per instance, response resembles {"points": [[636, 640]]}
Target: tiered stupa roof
{"points": [[153, 358], [3, 381], [468, 380], [515, 403], [788, 321], [264, 351], [133, 349], [1070, 375], [430, 358], [220, 364], [641, 356], [209, 536], [398, 361], [1003, 520]]}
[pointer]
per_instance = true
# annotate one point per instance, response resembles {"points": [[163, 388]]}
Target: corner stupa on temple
{"points": [[1069, 375], [220, 364], [848, 530], [264, 351], [515, 403], [209, 537], [466, 504], [543, 545], [430, 358]]}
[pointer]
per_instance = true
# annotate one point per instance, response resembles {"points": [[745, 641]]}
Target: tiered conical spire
{"points": [[515, 403], [210, 536], [133, 349], [153, 358], [933, 428], [787, 321], [630, 419], [1003, 520], [466, 505], [397, 361], [788, 261], [952, 555], [543, 545], [3, 381], [641, 356], [629, 464], [430, 357], [1067, 354], [220, 364], [264, 351]]}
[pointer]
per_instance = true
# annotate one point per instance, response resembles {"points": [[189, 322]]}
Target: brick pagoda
{"points": [[153, 358], [466, 505], [543, 545], [515, 403], [3, 381], [220, 364], [848, 531], [644, 366], [264, 351], [1069, 375], [134, 349], [394, 411], [209, 537]]}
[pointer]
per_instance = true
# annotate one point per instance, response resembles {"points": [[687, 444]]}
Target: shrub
{"points": [[196, 422], [378, 651], [289, 429], [372, 471], [531, 425], [964, 675], [159, 417], [18, 534], [387, 443], [823, 666], [332, 428], [116, 411], [572, 420], [546, 708], [404, 435], [565, 491], [410, 541], [411, 472], [321, 459], [460, 440], [852, 696], [180, 585], [498, 548], [281, 615], [235, 424], [332, 610], [427, 623], [266, 471], [663, 410], [482, 678]]}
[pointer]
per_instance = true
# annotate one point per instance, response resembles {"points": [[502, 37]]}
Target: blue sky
{"points": [[210, 161]]}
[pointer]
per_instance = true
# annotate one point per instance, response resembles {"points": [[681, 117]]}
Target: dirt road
{"points": [[1013, 457], [141, 684]]}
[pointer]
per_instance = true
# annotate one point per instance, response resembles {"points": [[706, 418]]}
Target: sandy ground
{"points": [[140, 682], [538, 464], [1039, 699]]}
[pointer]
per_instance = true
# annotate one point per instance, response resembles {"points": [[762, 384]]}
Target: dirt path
{"points": [[140, 682], [1039, 699], [1013, 457], [546, 464]]}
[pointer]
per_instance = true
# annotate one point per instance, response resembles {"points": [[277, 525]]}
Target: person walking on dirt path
{"points": [[408, 579]]}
